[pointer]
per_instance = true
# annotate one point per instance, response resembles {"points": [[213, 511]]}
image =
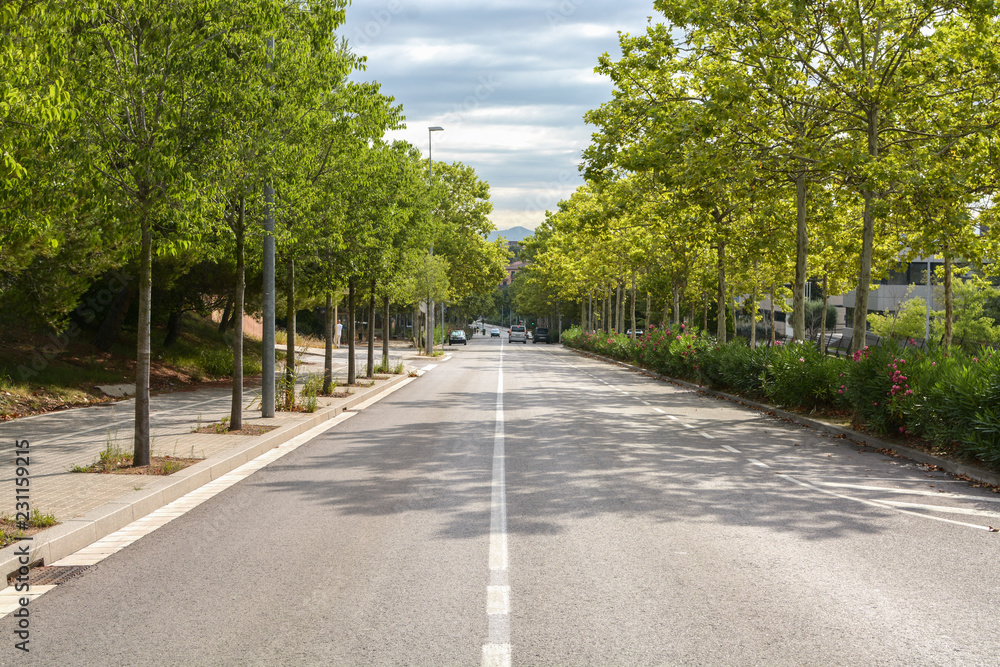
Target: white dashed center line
{"points": [[496, 649], [731, 449]]}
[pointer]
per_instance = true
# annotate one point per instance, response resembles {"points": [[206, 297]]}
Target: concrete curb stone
{"points": [[953, 467], [74, 534]]}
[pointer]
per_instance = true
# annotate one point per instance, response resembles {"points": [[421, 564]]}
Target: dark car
{"points": [[457, 336], [541, 335]]}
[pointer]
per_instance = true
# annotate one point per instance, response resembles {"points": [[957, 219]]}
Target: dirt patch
{"points": [[161, 465], [250, 429]]}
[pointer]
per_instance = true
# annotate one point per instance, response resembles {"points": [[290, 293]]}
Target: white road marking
{"points": [[660, 411], [644, 402], [911, 492], [942, 508], [671, 417], [758, 463], [496, 650], [498, 599], [880, 504], [496, 655], [706, 435], [429, 367], [731, 449]]}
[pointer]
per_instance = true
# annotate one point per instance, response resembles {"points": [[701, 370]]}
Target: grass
{"points": [[11, 530], [388, 367]]}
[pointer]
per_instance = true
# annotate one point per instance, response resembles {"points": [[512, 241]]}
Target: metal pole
{"points": [[267, 342]]}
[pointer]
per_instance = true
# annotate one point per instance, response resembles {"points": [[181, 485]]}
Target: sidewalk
{"points": [[61, 440]]}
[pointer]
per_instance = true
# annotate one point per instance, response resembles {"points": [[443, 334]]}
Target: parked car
{"points": [[638, 332], [457, 336], [518, 334], [541, 335], [494, 333]]}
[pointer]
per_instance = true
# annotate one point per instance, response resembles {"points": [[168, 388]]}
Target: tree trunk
{"points": [[677, 304], [632, 307], [822, 328], [949, 302], [385, 332], [371, 331], [867, 245], [773, 309], [801, 253], [720, 325], [107, 334], [351, 333], [590, 312], [236, 410], [649, 308], [704, 313], [226, 312], [173, 327], [328, 351], [140, 451], [290, 327]]}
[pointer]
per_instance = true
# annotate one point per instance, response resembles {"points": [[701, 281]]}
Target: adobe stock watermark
{"points": [[563, 11], [88, 311], [560, 187], [484, 89], [380, 20]]}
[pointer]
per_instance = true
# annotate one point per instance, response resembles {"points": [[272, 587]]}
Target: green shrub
{"points": [[219, 362], [799, 375], [958, 403]]}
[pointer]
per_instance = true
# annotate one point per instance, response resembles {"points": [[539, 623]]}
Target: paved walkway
{"points": [[76, 437]]}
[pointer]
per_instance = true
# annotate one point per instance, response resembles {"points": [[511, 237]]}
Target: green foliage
{"points": [[958, 404], [219, 363], [908, 322], [800, 376]]}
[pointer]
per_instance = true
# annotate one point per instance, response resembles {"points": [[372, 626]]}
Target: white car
{"points": [[518, 334]]}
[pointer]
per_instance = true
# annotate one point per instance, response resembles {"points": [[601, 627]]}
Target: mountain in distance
{"points": [[512, 234]]}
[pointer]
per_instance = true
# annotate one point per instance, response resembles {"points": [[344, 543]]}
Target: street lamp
{"points": [[430, 301]]}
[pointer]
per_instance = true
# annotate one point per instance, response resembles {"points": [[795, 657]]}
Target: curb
{"points": [[74, 534], [865, 440]]}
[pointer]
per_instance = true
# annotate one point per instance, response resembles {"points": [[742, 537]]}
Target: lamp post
{"points": [[430, 300]]}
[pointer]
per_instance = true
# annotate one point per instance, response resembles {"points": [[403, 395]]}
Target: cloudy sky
{"points": [[508, 80]]}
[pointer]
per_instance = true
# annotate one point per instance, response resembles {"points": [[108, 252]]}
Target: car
{"points": [[457, 336], [518, 334], [638, 332], [494, 333], [541, 335], [529, 335]]}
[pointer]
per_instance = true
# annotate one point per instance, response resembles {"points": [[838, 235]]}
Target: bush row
{"points": [[948, 397]]}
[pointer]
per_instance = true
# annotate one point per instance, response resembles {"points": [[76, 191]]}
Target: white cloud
{"points": [[509, 80]]}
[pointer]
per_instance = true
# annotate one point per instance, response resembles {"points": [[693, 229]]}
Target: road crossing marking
{"points": [[731, 449], [758, 463]]}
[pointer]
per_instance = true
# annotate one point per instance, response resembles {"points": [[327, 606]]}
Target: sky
{"points": [[508, 80]]}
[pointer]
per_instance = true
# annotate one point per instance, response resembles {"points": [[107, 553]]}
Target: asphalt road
{"points": [[523, 503]]}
